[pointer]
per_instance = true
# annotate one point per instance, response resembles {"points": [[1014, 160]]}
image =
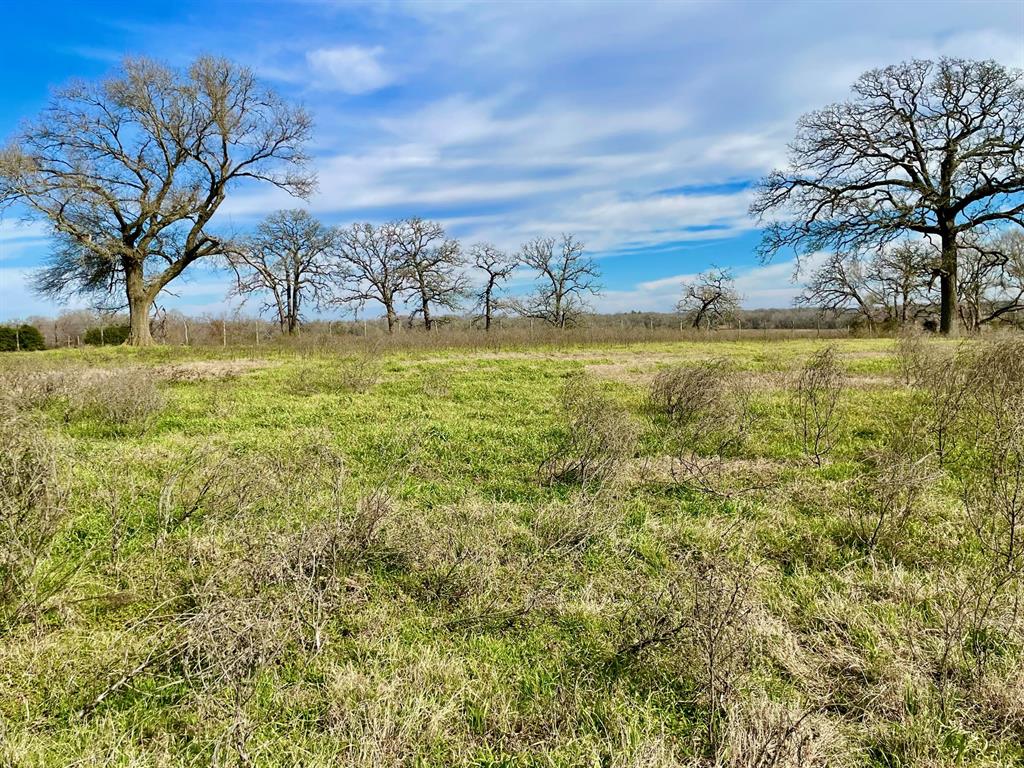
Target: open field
{"points": [[513, 557]]}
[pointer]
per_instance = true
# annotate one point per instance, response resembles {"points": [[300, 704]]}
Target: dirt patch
{"points": [[207, 370]]}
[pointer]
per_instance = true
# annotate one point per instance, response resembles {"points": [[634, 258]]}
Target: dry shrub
{"points": [[815, 402], [887, 496], [701, 619], [978, 611], [358, 372], [688, 394], [126, 397], [942, 379], [709, 413], [33, 506], [993, 491], [760, 733], [123, 397], [914, 357], [599, 434]]}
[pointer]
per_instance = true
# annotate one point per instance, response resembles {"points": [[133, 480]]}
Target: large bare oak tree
{"points": [[932, 148], [288, 260], [130, 171]]}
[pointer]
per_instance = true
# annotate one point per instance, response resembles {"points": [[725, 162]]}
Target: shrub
{"points": [[993, 490], [355, 373], [23, 338], [107, 335], [124, 398], [887, 496], [709, 415], [687, 394], [32, 508], [700, 617], [815, 403], [599, 434]]}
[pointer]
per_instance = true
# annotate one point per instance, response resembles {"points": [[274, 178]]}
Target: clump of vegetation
{"points": [[599, 434], [107, 335], [887, 496], [33, 506], [994, 487], [21, 338], [815, 403], [124, 398], [358, 372], [708, 412]]}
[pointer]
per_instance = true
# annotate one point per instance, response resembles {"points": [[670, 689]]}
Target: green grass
{"points": [[482, 624]]}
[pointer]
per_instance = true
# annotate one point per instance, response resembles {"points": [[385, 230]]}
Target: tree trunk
{"points": [[139, 305], [392, 318], [425, 304], [487, 313], [949, 324]]}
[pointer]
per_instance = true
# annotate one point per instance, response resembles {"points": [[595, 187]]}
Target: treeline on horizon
{"points": [[85, 328]]}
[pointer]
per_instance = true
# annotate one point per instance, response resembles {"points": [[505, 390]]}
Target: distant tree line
{"points": [[294, 261]]}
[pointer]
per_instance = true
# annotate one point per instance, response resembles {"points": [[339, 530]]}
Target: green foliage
{"points": [[107, 335], [23, 338]]}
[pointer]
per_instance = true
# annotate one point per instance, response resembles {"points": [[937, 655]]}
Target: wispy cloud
{"points": [[349, 68]]}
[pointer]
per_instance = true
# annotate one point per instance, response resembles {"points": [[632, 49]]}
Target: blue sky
{"points": [[638, 126]]}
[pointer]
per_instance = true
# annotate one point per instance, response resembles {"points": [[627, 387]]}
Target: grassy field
{"points": [[506, 558]]}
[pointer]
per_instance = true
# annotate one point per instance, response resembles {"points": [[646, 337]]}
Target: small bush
{"points": [[107, 335], [700, 619], [355, 373], [599, 434], [709, 414], [23, 338], [888, 495], [993, 488], [32, 509], [815, 403], [686, 394], [123, 398]]}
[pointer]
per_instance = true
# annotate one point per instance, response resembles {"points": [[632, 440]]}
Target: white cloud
{"points": [[350, 68], [765, 285]]}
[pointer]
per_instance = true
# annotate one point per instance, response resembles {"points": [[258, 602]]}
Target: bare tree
{"points": [[890, 287], [372, 267], [565, 275], [935, 148], [129, 173], [992, 280], [498, 266], [288, 260], [901, 279], [710, 298], [838, 285], [433, 263]]}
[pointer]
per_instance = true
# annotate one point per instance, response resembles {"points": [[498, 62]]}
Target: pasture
{"points": [[533, 556]]}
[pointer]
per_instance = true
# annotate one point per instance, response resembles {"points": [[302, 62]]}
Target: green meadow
{"points": [[518, 557]]}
